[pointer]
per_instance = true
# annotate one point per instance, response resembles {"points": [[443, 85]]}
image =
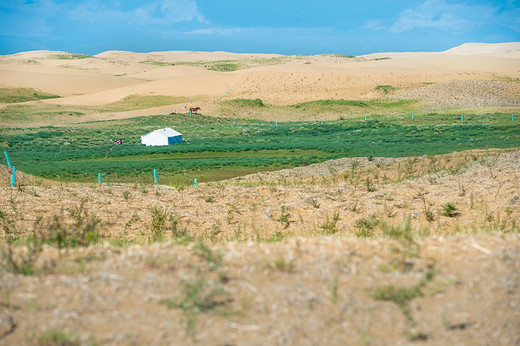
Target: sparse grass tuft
{"points": [[329, 227], [256, 103], [284, 216], [402, 296], [449, 210], [384, 88], [58, 337], [366, 226]]}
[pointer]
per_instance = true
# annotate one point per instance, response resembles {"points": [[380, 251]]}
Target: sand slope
{"points": [[276, 79]]}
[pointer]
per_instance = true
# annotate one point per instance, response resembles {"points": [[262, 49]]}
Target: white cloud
{"points": [[158, 12], [215, 31], [181, 10], [453, 18]]}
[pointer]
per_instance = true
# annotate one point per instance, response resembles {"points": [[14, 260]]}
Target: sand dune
{"points": [[276, 79]]}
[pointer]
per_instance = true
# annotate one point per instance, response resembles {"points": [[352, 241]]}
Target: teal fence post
{"points": [[195, 182], [7, 159], [233, 122], [322, 122], [99, 178], [412, 115], [276, 124], [190, 112], [365, 117], [13, 176], [219, 96], [513, 117], [462, 117], [155, 176]]}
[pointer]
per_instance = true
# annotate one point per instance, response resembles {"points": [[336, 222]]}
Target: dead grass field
{"points": [[353, 251]]}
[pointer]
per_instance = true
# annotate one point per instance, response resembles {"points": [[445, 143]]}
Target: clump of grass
{"points": [[284, 266], [329, 227], [156, 63], [345, 56], [449, 210], [252, 103], [407, 246], [158, 223], [401, 296], [22, 262], [202, 294], [58, 337], [428, 213], [284, 216], [222, 66], [278, 236], [384, 88], [83, 232], [366, 226], [369, 185]]}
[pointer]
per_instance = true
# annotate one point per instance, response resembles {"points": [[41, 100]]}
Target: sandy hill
{"points": [[495, 49], [278, 80]]}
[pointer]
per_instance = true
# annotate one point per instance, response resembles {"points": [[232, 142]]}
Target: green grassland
{"points": [[213, 148], [40, 112], [16, 95], [314, 109], [133, 102]]}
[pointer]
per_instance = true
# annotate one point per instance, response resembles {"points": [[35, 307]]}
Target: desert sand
{"points": [[275, 79]]}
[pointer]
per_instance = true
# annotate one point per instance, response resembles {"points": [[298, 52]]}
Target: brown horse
{"points": [[195, 109]]}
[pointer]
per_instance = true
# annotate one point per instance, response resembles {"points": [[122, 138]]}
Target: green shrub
{"points": [[449, 210]]}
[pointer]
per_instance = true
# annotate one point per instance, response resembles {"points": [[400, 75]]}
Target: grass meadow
{"points": [[214, 148]]}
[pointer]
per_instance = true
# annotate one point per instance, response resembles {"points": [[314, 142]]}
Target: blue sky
{"points": [[255, 26]]}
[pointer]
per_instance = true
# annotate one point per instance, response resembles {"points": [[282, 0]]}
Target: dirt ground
{"points": [[313, 255]]}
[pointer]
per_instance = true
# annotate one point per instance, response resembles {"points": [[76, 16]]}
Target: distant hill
{"points": [[508, 48]]}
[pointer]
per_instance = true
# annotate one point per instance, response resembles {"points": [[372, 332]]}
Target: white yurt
{"points": [[166, 136]]}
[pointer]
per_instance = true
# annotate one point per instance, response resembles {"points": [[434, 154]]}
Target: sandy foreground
{"points": [[302, 256], [277, 80]]}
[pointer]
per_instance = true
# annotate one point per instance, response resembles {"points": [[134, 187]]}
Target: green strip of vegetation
{"points": [[156, 63], [135, 101], [15, 95], [215, 148], [72, 56]]}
